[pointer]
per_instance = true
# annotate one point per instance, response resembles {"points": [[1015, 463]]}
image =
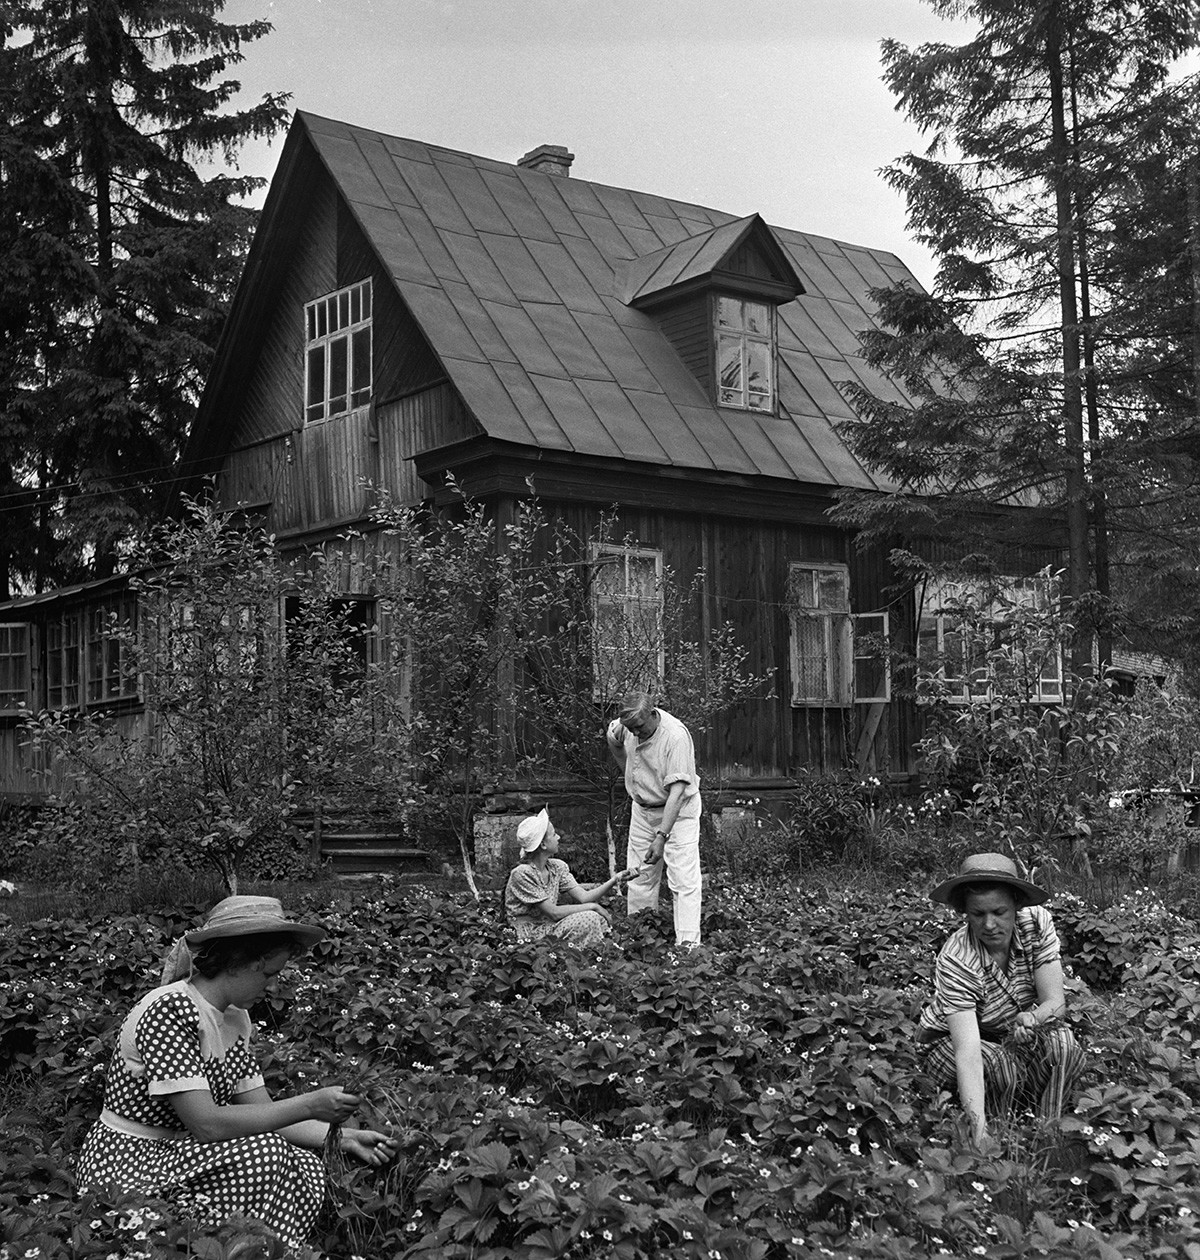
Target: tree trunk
{"points": [[1193, 211], [1075, 471], [1099, 500]]}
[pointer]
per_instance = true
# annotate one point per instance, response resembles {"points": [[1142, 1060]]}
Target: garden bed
{"points": [[761, 1098]]}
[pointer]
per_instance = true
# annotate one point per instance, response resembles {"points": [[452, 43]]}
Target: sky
{"points": [[774, 106]]}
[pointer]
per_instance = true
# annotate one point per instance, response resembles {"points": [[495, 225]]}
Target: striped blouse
{"points": [[967, 979]]}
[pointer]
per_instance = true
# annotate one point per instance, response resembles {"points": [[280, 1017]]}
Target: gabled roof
{"points": [[519, 280], [651, 278]]}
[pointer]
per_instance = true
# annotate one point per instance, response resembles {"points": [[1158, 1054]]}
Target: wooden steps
{"points": [[356, 852]]}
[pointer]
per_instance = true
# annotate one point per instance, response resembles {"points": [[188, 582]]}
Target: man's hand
{"points": [[655, 851]]}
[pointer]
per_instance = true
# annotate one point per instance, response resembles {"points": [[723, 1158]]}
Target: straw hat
{"points": [[532, 831], [989, 868], [252, 916]]}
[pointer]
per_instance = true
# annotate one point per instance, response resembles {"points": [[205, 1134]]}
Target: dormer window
{"points": [[338, 352], [745, 332], [715, 296]]}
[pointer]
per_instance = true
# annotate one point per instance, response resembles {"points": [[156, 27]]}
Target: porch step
{"points": [[359, 851]]}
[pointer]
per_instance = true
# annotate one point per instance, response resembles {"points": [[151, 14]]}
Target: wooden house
{"points": [[409, 312]]}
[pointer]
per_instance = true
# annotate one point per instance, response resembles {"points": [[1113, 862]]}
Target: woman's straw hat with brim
{"points": [[989, 868], [252, 916]]}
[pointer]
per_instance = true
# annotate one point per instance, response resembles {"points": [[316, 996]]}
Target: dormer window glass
{"points": [[745, 354], [338, 352]]}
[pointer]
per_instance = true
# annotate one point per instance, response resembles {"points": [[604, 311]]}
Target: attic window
{"points": [[745, 332], [338, 352]]}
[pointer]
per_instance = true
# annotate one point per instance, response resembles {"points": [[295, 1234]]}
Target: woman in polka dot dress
{"points": [[186, 1113]]}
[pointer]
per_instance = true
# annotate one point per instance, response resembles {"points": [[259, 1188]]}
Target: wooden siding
{"points": [[745, 565], [748, 260], [25, 775], [272, 402], [317, 477], [688, 327], [421, 422], [402, 359]]}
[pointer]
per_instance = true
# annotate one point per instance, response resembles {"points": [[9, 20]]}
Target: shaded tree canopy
{"points": [[121, 239], [1050, 364]]}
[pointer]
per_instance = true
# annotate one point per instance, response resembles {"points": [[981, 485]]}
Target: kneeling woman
{"points": [[186, 1114], [992, 1028], [536, 882]]}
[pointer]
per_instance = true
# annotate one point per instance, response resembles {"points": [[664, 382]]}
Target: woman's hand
{"points": [[630, 872], [369, 1145], [332, 1104], [1025, 1027]]}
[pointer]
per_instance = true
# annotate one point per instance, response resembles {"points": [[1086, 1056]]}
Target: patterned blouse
{"points": [[528, 887], [966, 978], [172, 1041]]}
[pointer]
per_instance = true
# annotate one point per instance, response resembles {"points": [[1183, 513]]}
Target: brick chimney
{"points": [[550, 159]]}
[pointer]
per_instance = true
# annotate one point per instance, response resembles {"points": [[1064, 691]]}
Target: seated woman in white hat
{"points": [[531, 897], [186, 1114], [993, 1028]]}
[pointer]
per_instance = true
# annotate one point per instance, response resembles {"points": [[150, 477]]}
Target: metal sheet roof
{"points": [[520, 282]]}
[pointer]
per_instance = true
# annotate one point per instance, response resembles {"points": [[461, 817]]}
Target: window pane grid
{"points": [[627, 631], [109, 673], [63, 665], [14, 665], [958, 654], [338, 352], [745, 354], [821, 636]]}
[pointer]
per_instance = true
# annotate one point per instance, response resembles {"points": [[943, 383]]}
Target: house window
{"points": [[338, 352], [110, 674], [345, 632], [745, 354], [872, 664], [64, 663], [979, 640], [822, 666], [14, 667], [627, 620]]}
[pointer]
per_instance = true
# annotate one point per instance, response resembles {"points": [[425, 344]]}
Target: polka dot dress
{"points": [[173, 1041]]}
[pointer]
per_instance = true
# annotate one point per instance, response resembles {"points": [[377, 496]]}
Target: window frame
{"points": [[600, 554], [64, 666], [351, 309], [976, 685], [112, 640], [16, 645], [836, 633], [883, 695], [745, 337]]}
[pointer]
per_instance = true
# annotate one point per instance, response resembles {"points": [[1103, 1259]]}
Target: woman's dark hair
{"points": [[958, 898], [227, 953]]}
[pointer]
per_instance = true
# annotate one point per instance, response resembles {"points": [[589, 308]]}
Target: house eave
{"points": [[484, 468]]}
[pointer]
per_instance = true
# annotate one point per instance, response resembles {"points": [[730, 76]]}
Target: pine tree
{"points": [[124, 109], [1029, 123]]}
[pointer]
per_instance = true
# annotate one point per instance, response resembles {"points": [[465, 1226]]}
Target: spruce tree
{"points": [[1028, 123], [125, 109]]}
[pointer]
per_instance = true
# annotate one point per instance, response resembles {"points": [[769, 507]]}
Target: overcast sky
{"points": [[773, 106]]}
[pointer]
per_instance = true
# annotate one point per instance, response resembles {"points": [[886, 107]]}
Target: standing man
{"points": [[655, 750]]}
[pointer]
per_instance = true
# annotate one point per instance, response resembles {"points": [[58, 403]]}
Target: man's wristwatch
{"points": [[660, 832]]}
